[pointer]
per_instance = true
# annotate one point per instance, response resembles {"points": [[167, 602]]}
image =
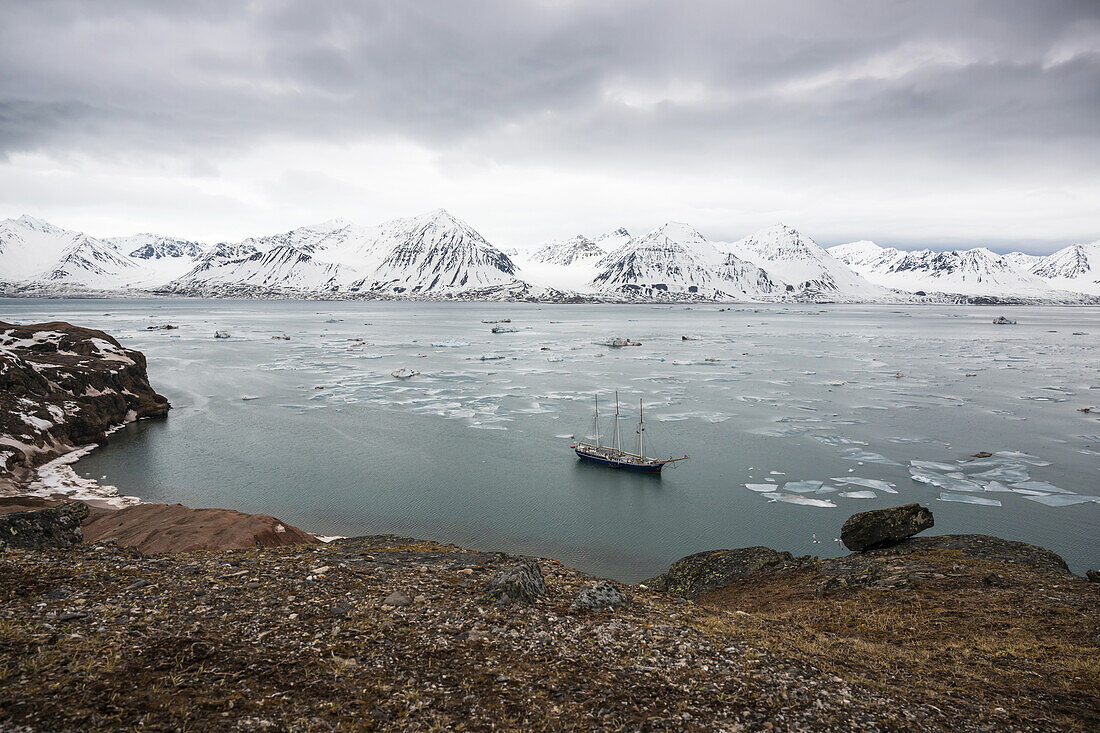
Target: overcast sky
{"points": [[909, 123]]}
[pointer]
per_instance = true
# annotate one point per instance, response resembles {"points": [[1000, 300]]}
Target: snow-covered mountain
{"points": [[1075, 268], [436, 253], [433, 254], [566, 252], [1022, 260], [967, 272], [438, 256], [612, 240], [676, 260], [802, 265]]}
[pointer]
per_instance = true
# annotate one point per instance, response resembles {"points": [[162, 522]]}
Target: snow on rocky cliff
{"points": [[802, 265], [1075, 268], [675, 260], [978, 272], [559, 252]]}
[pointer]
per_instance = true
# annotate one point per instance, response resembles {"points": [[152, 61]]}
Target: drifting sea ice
{"points": [[1011, 472], [1021, 457], [870, 483], [858, 494], [796, 499], [802, 487], [1042, 486], [760, 487], [836, 440], [1062, 499], [869, 457], [449, 344], [944, 482], [969, 499], [997, 486], [933, 466]]}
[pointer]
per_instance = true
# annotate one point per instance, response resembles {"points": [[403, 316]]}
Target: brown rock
{"points": [[884, 527]]}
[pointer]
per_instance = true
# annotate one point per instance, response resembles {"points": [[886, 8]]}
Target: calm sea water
{"points": [[315, 430]]}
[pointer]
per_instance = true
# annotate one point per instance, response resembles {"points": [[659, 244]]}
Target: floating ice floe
{"points": [[491, 356], [760, 487], [836, 440], [1011, 472], [1043, 486], [802, 487], [933, 466], [450, 344], [796, 499], [1021, 457], [997, 486], [870, 483], [969, 499], [943, 482], [858, 494], [1062, 499], [865, 456]]}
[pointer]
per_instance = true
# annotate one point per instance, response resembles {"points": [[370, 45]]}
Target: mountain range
{"points": [[437, 256]]}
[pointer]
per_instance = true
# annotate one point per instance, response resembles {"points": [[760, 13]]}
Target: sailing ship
{"points": [[613, 456]]}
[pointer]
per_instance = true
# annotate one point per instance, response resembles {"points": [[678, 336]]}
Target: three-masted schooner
{"points": [[613, 456]]}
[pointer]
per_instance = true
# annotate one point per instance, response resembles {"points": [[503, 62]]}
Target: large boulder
{"points": [[43, 528], [523, 582], [599, 596], [694, 575], [884, 527]]}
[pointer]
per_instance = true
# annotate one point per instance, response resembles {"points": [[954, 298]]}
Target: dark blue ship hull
{"points": [[621, 465]]}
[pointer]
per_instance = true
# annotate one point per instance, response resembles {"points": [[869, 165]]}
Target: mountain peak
{"points": [[39, 225]]}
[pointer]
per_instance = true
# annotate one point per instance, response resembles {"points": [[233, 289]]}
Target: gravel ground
{"points": [[301, 638]]}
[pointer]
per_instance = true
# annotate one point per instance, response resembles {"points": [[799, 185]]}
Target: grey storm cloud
{"points": [[610, 79], [976, 91]]}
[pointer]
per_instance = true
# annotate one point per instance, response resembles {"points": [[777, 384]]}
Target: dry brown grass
{"points": [[1024, 649]]}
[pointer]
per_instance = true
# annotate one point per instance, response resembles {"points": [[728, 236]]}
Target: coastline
{"points": [[123, 614]]}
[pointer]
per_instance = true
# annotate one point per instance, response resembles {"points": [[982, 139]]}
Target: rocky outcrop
{"points": [[884, 527], [62, 387], [599, 596], [694, 575], [42, 529], [523, 582], [154, 528]]}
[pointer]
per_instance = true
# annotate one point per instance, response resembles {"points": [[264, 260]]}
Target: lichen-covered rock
{"points": [[599, 596], [884, 527], [523, 582], [694, 575], [62, 387], [43, 528]]}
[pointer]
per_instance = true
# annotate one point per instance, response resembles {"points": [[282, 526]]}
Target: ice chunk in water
{"points": [[997, 486], [858, 494], [933, 466], [796, 499], [870, 483], [969, 499], [760, 487], [1010, 472], [1062, 499], [802, 487], [449, 344], [1040, 486], [1021, 457], [944, 482], [869, 457], [836, 440]]}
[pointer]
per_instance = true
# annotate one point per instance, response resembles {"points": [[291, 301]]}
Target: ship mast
{"points": [[641, 430], [597, 420], [618, 435]]}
